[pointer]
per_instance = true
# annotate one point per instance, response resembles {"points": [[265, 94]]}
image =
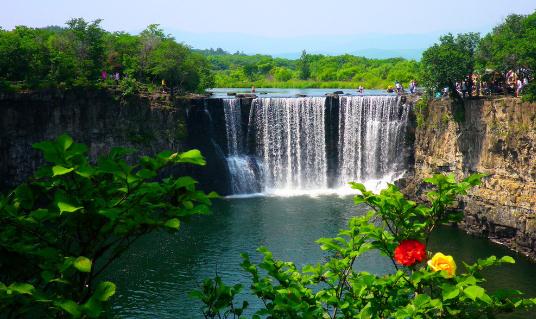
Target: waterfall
{"points": [[243, 169], [291, 142], [287, 147], [371, 137]]}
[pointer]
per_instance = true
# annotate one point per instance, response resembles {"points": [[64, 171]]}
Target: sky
{"points": [[280, 27]]}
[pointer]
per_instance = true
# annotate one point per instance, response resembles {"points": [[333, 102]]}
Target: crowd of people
{"points": [[399, 88], [491, 83]]}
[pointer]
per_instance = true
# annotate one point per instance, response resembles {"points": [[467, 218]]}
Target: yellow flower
{"points": [[441, 262]]}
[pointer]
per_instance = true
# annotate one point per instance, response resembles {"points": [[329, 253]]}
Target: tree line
{"points": [[309, 71], [83, 54]]}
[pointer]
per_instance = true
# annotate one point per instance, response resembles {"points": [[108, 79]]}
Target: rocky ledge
{"points": [[496, 137]]}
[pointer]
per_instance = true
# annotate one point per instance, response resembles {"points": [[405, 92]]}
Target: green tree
{"points": [[282, 74], [64, 226], [173, 62], [24, 55], [86, 45], [304, 67], [449, 61]]}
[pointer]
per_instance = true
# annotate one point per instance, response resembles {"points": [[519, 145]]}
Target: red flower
{"points": [[409, 252]]}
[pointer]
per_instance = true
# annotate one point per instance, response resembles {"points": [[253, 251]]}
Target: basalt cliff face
{"points": [[98, 118], [496, 137]]}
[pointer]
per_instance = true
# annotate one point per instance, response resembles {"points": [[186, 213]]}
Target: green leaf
{"points": [[49, 151], [83, 264], [146, 173], [66, 207], [70, 307], [173, 223], [22, 288], [60, 170], [64, 141], [474, 292], [449, 292], [104, 291], [507, 260], [192, 157]]}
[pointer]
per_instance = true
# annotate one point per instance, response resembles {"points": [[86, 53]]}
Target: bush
{"points": [[423, 284], [68, 223], [128, 86], [529, 93]]}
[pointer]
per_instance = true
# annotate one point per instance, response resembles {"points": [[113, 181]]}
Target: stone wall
{"points": [[100, 119], [496, 137]]}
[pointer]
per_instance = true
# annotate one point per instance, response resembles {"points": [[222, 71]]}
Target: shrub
{"points": [[398, 229], [65, 225]]}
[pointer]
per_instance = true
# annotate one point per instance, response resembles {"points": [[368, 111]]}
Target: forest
{"points": [[309, 71], [83, 54]]}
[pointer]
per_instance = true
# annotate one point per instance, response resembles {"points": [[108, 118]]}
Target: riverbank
{"points": [[496, 137]]}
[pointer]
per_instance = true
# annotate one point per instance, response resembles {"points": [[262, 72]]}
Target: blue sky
{"points": [[279, 26]]}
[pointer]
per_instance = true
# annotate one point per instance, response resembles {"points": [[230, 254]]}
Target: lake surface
{"points": [[277, 92], [156, 275]]}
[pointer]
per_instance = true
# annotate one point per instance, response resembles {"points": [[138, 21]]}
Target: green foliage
{"points": [[511, 45], [78, 54], [420, 107], [64, 226], [310, 71], [334, 289], [449, 61], [219, 299]]}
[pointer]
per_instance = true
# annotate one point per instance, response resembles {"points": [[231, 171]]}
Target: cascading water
{"points": [[285, 148], [371, 137], [290, 140], [243, 169]]}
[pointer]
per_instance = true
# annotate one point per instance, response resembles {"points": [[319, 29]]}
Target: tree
{"points": [[24, 55], [449, 61], [511, 45], [86, 44], [173, 62], [63, 227], [304, 68]]}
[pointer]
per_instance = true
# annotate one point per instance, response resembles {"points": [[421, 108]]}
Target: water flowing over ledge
{"points": [[310, 146]]}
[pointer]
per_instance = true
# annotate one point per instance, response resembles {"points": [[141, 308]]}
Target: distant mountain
{"points": [[412, 54], [368, 45]]}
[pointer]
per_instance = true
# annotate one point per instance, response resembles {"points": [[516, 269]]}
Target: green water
{"points": [[155, 276]]}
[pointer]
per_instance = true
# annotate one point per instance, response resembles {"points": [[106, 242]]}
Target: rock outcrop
{"points": [[98, 118], [496, 137]]}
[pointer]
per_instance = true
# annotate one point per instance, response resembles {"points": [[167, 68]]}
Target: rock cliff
{"points": [[496, 137], [97, 118]]}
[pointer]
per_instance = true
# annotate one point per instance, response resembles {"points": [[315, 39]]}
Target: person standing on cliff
{"points": [[253, 89], [519, 87]]}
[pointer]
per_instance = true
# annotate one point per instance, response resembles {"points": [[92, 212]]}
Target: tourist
{"points": [[519, 87], [412, 87], [117, 77], [163, 86], [446, 91], [253, 89], [104, 75], [399, 87], [464, 89]]}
